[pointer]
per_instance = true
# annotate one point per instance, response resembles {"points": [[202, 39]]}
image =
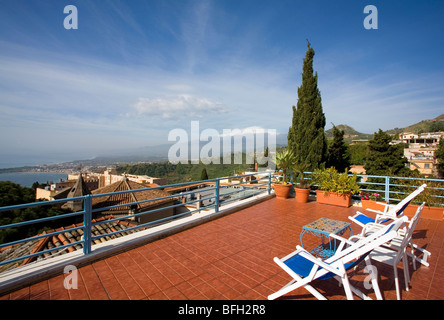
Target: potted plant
{"points": [[284, 161], [302, 189], [372, 200], [335, 188]]}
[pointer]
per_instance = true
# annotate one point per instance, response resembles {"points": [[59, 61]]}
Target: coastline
{"points": [[27, 179]]}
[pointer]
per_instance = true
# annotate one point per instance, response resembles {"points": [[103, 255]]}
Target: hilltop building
{"points": [[421, 151], [61, 189], [110, 176], [93, 181]]}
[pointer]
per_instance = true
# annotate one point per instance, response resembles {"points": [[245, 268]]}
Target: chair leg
{"points": [[413, 256], [285, 289], [292, 285], [347, 287], [405, 265], [373, 272], [425, 257], [395, 272]]}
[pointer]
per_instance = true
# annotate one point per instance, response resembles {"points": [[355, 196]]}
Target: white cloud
{"points": [[247, 131], [175, 106]]}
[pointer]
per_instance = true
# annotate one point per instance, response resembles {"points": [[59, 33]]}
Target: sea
{"points": [[27, 179]]}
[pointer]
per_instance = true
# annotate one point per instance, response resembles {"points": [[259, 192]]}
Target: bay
{"points": [[27, 179]]}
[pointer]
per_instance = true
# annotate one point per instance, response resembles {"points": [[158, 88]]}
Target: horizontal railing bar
{"points": [[154, 210], [150, 188], [150, 200], [41, 253], [39, 203], [151, 222], [238, 191], [242, 197], [170, 186], [23, 223], [46, 235]]}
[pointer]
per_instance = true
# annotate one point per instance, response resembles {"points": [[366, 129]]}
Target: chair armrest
{"points": [[370, 227], [374, 210]]}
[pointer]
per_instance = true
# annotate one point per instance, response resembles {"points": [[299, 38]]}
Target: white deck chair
{"points": [[396, 250], [303, 267], [390, 212]]}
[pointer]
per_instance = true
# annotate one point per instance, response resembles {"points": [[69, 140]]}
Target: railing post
{"points": [[387, 189], [87, 223], [269, 183], [216, 196]]}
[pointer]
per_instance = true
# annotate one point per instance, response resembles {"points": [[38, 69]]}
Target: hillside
{"points": [[349, 133], [433, 125], [177, 173]]}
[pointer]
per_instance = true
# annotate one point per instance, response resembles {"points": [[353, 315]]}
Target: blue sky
{"points": [[135, 70]]}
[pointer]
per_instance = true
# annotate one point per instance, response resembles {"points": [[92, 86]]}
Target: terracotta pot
{"points": [[282, 190], [433, 213], [302, 195], [333, 198], [371, 204]]}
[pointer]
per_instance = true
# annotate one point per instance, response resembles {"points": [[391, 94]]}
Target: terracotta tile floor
{"points": [[231, 258]]}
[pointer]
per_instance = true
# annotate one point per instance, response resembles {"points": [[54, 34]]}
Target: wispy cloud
{"points": [[178, 106]]}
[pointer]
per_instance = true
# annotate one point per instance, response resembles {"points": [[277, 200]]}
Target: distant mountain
{"points": [[433, 125], [160, 152], [349, 133]]}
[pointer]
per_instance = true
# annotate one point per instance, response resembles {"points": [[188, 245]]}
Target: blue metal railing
{"points": [[261, 184], [391, 187]]}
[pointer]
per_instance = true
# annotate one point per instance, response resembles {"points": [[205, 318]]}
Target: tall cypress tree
{"points": [[306, 137]]}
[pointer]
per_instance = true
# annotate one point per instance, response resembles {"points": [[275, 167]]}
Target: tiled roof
{"points": [[79, 189], [60, 239], [125, 185]]}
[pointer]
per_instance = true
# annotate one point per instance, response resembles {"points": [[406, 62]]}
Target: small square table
{"points": [[322, 228]]}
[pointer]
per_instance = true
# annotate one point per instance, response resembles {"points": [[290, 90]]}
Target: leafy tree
{"points": [[338, 155], [385, 159], [14, 194], [358, 153], [183, 172], [306, 137]]}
